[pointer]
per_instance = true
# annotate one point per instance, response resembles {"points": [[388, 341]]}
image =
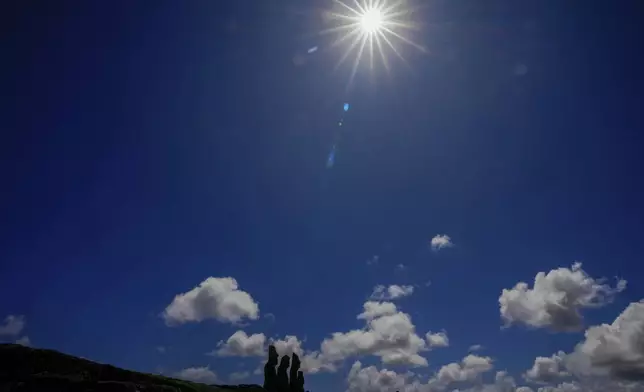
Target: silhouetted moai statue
{"points": [[295, 366], [300, 381], [270, 377], [282, 375]]}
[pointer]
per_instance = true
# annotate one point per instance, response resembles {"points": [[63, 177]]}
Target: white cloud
{"points": [[370, 379], [197, 374], [394, 291], [615, 350], [556, 299], [377, 309], [314, 362], [237, 376], [475, 347], [24, 341], [438, 339], [12, 325], [441, 241], [214, 298], [392, 337], [287, 346], [468, 370], [547, 369], [240, 344], [563, 387], [595, 385], [502, 383]]}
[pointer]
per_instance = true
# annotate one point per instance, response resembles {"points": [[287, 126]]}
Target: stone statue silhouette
{"points": [[279, 381], [300, 381], [282, 375], [294, 371], [270, 377]]}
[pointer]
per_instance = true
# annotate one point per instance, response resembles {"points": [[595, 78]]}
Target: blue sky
{"points": [[150, 146]]}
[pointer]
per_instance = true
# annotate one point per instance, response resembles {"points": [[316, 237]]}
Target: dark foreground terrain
{"points": [[27, 369]]}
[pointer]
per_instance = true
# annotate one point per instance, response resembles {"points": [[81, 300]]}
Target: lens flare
{"points": [[371, 28]]}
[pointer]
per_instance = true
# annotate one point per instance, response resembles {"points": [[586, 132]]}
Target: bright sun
{"points": [[373, 27], [371, 20]]}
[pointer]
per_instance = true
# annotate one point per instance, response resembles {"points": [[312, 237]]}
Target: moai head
{"points": [[285, 362], [296, 362], [272, 355]]}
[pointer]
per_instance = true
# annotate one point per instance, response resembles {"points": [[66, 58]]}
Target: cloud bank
{"points": [[556, 299]]}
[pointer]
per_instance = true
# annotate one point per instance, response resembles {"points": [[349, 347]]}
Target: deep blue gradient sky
{"points": [[149, 145]]}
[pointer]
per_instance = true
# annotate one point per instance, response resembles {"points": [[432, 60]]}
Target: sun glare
{"points": [[371, 28], [371, 20]]}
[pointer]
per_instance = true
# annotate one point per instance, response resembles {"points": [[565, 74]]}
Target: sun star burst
{"points": [[370, 26]]}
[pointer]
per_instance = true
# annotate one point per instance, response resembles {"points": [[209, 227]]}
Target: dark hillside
{"points": [[28, 369]]}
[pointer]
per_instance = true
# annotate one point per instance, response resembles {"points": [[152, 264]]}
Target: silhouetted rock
{"points": [[282, 375], [270, 376]]}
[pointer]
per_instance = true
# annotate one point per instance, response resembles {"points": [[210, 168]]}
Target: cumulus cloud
{"points": [[594, 385], [564, 387], [394, 291], [392, 337], [370, 379], [547, 369], [12, 325], [377, 309], [240, 344], [615, 350], [438, 339], [197, 374], [289, 345], [214, 298], [468, 370], [556, 299], [502, 383], [441, 241]]}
